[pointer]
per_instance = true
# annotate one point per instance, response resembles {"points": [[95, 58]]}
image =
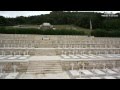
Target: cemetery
{"points": [[66, 56]]}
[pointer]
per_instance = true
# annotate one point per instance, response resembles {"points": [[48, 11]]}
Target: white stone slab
{"points": [[11, 76], [109, 77], [117, 56], [91, 56], [75, 57], [87, 72], [82, 78], [118, 77], [111, 56], [2, 57], [111, 72], [66, 57], [99, 57], [95, 77], [26, 55], [84, 57], [99, 72], [17, 55], [74, 73], [12, 58], [116, 70], [1, 74], [22, 58]]}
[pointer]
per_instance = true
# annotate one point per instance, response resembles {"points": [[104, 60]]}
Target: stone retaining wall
{"points": [[8, 66], [67, 65]]}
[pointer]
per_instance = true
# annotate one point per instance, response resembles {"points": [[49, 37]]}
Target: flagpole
{"points": [[91, 26]]}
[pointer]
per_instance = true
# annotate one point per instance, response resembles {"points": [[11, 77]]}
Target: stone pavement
{"points": [[62, 75]]}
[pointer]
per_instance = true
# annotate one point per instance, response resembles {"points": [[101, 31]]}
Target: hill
{"points": [[58, 27]]}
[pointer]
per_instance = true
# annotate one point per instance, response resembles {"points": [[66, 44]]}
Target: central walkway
{"points": [[62, 75]]}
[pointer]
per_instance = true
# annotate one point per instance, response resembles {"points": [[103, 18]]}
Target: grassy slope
{"points": [[64, 27], [87, 31]]}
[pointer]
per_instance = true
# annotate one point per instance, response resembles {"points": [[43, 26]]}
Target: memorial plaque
{"points": [[45, 38]]}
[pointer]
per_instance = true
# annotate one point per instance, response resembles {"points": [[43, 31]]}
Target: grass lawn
{"points": [[59, 27], [68, 27]]}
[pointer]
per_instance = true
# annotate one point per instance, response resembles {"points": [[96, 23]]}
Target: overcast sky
{"points": [[30, 13], [22, 13]]}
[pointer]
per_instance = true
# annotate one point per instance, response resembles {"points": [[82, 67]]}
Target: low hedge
{"points": [[38, 31]]}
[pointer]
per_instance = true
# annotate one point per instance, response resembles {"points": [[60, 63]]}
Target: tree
{"points": [[2, 21]]}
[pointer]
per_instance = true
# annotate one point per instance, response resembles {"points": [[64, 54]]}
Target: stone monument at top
{"points": [[46, 26]]}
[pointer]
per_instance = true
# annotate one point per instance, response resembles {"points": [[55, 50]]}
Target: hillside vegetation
{"points": [[63, 21]]}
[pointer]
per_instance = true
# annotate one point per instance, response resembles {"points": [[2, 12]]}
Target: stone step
{"points": [[31, 67], [44, 63], [44, 71], [44, 67]]}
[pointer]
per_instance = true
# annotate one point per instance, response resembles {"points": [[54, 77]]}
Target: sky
{"points": [[22, 13], [32, 13]]}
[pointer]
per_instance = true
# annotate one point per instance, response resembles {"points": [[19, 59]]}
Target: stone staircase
{"points": [[44, 67]]}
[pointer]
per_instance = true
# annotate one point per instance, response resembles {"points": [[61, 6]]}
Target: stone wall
{"points": [[8, 66], [67, 65], [45, 52]]}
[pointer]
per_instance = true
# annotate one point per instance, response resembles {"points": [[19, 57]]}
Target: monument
{"points": [[46, 26]]}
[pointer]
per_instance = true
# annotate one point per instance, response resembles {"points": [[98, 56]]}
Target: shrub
{"points": [[43, 32]]}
